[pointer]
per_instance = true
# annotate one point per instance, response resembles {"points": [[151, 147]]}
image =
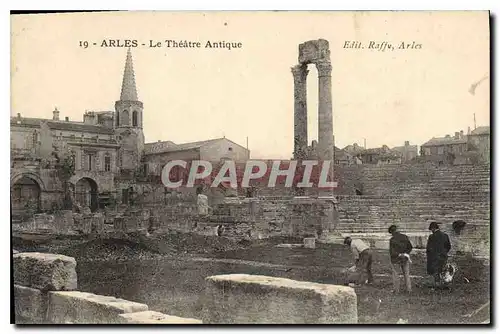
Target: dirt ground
{"points": [[167, 272]]}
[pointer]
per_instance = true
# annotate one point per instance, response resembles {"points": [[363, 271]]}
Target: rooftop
{"points": [[439, 141], [482, 130], [60, 125]]}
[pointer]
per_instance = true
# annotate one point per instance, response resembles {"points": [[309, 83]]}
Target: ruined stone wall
{"points": [[45, 292], [235, 218]]}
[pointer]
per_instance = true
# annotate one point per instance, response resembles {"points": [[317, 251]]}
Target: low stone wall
{"points": [[45, 291], [253, 299], [248, 218]]}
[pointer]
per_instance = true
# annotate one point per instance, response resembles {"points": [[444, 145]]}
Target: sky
{"points": [[191, 94]]}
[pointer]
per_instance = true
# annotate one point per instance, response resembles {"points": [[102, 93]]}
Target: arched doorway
{"points": [[86, 193], [25, 195]]}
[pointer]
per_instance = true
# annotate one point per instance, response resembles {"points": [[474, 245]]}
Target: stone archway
{"points": [[86, 193], [25, 194]]}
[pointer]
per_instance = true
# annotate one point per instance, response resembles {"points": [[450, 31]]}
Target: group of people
{"points": [[400, 247]]}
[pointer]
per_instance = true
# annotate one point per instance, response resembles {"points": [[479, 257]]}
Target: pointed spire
{"points": [[129, 91]]}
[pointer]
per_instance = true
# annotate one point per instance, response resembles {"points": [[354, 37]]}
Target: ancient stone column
{"points": [[300, 110], [325, 120]]}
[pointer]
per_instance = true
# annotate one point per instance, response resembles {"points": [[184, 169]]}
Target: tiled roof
{"points": [[403, 148], [167, 142], [30, 122], [189, 146], [80, 127], [340, 153], [482, 130], [352, 148], [376, 150], [439, 141]]}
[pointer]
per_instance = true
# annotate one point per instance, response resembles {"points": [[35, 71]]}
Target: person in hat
{"points": [[399, 251], [438, 246], [363, 259]]}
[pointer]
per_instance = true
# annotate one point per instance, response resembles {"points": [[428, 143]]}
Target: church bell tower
{"points": [[128, 120]]}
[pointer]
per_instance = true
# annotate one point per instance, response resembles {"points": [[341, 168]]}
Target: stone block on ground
{"points": [[254, 299], [152, 317], [87, 308], [29, 304], [44, 271]]}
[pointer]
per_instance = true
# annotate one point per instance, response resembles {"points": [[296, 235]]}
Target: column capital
{"points": [[300, 72], [324, 69]]}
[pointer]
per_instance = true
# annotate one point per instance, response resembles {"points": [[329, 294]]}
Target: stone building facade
{"points": [[479, 140], [408, 152], [106, 153], [156, 155], [473, 148]]}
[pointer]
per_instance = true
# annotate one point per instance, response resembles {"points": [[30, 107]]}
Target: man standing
{"points": [[438, 246], [399, 250], [362, 257]]}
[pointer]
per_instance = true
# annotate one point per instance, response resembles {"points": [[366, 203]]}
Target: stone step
{"points": [[409, 227], [364, 216], [419, 213], [402, 226], [409, 220], [388, 198]]}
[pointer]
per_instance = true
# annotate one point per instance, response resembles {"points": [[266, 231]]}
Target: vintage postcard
{"points": [[250, 167]]}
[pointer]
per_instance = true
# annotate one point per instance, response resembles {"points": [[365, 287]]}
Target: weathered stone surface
{"points": [[29, 304], [82, 223], [309, 242], [246, 299], [152, 317], [314, 51], [44, 271], [97, 223], [87, 308]]}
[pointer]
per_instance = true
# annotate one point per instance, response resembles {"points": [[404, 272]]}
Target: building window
{"points": [[35, 139], [89, 162], [134, 118], [125, 118], [107, 163], [230, 149], [145, 169], [440, 150], [117, 118]]}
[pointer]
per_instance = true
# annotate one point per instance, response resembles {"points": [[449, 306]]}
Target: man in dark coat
{"points": [[438, 246], [399, 251]]}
